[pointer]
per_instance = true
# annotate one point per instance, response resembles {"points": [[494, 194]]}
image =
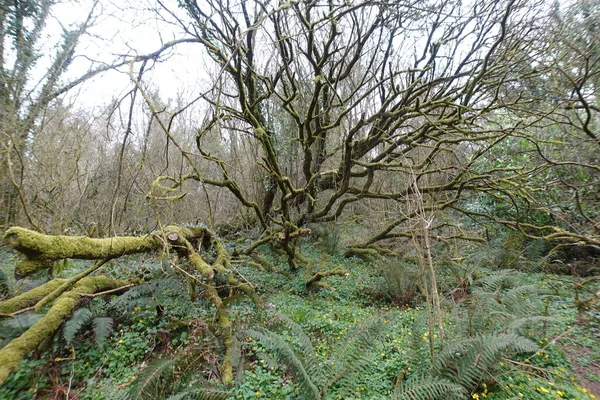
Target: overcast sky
{"points": [[122, 29]]}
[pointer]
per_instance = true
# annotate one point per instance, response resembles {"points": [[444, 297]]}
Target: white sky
{"points": [[122, 29]]}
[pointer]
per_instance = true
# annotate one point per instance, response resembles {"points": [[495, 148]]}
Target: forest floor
{"points": [[160, 321]]}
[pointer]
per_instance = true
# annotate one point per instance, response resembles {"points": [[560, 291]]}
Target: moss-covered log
{"points": [[17, 349], [42, 251], [220, 282], [30, 298]]}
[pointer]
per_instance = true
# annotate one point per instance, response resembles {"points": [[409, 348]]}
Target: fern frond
{"points": [[284, 353], [103, 326], [498, 280], [467, 362], [201, 393], [429, 388], [79, 318], [350, 357], [518, 325], [307, 352], [152, 381], [535, 250]]}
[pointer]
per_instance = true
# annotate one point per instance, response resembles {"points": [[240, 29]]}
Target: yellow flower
{"points": [[121, 341], [543, 389], [475, 396], [258, 394]]}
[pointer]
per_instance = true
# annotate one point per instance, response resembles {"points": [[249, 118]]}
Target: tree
{"points": [[362, 96]]}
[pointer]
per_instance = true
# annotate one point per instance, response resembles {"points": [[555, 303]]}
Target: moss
{"points": [[17, 349], [29, 267], [29, 298], [42, 250], [68, 284], [39, 246]]}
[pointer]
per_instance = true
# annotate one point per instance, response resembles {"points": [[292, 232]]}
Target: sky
{"points": [[121, 29]]}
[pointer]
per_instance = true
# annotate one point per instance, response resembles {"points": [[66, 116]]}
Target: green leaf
{"points": [[75, 323], [103, 326]]}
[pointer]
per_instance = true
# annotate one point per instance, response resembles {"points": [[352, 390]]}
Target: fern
{"points": [[313, 376], [469, 361], [349, 359], [152, 382], [170, 377], [499, 299], [158, 291], [520, 324], [14, 327], [498, 280], [429, 388], [103, 326], [284, 353], [201, 393], [79, 318], [307, 352]]}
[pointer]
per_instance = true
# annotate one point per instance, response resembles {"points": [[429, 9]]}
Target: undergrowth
{"points": [[367, 339]]}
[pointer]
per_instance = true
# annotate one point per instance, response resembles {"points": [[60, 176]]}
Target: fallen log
{"points": [[32, 338], [41, 251]]}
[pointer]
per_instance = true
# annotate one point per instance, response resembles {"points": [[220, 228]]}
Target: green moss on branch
{"points": [[42, 250], [30, 298], [19, 348]]}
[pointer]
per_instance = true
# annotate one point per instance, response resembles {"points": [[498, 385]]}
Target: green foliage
{"points": [[329, 236], [172, 376], [79, 318], [472, 361], [22, 384], [429, 388], [101, 326], [401, 282], [322, 335], [266, 383], [314, 376], [3, 285], [14, 327], [153, 381], [503, 301]]}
